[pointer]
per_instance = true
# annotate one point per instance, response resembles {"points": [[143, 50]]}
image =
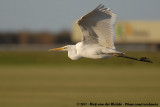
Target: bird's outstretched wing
{"points": [[98, 27]]}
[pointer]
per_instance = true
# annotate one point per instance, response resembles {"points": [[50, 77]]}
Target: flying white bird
{"points": [[98, 28]]}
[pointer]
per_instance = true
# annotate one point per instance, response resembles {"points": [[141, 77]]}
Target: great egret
{"points": [[98, 37]]}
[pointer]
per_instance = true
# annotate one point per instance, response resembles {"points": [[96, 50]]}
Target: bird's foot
{"points": [[145, 59]]}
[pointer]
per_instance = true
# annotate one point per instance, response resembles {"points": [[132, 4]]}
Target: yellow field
{"points": [[32, 79]]}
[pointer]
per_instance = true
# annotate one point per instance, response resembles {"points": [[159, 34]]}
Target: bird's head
{"points": [[64, 48]]}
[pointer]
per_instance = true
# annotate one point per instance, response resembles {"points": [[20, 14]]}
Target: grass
{"points": [[43, 79], [60, 58]]}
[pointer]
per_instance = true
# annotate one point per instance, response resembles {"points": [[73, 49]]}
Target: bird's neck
{"points": [[72, 53]]}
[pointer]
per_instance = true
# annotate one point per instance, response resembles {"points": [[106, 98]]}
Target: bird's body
{"points": [[98, 36], [94, 51]]}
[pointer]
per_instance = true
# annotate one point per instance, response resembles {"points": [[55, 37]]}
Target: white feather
{"points": [[98, 27]]}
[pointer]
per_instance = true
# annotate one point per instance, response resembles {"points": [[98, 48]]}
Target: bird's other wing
{"points": [[98, 27]]}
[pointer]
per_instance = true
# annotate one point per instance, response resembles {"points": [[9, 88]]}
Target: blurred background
{"points": [[30, 76]]}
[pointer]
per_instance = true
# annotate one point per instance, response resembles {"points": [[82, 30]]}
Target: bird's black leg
{"points": [[143, 59]]}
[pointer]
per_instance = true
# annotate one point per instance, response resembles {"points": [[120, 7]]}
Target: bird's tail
{"points": [[143, 59]]}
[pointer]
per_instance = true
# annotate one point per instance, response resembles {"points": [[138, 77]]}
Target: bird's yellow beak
{"points": [[57, 49]]}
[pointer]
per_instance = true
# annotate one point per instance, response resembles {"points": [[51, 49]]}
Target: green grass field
{"points": [[44, 79]]}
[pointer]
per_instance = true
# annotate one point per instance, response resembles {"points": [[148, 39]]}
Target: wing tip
{"points": [[100, 8], [103, 9]]}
